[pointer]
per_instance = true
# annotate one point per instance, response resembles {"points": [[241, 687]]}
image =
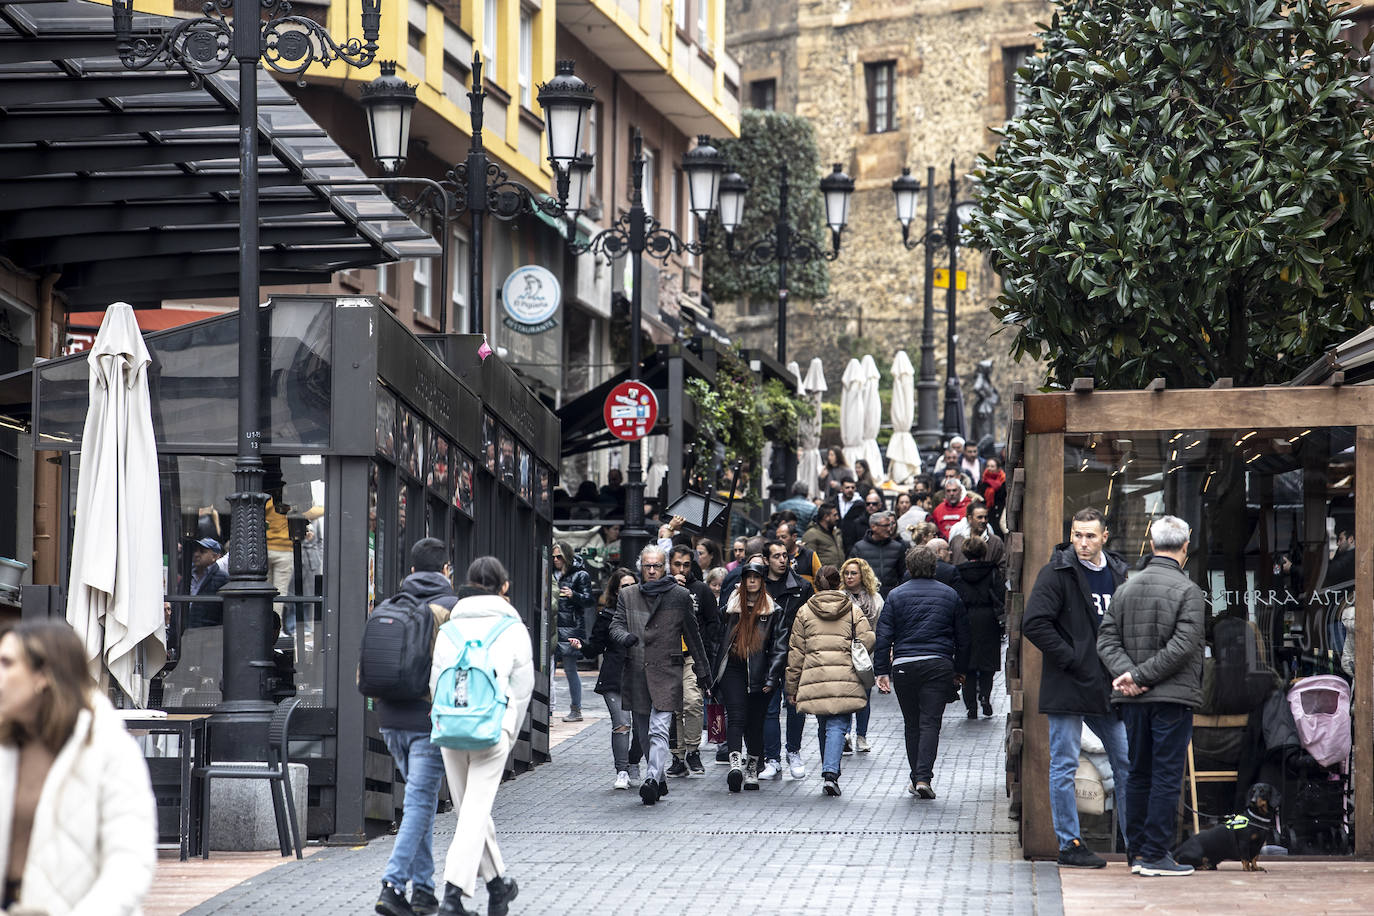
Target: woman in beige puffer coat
{"points": [[820, 668]]}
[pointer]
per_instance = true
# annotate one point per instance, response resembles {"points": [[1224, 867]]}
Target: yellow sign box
{"points": [[942, 279]]}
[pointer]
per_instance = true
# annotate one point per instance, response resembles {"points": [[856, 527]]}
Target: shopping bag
{"points": [[715, 723]]}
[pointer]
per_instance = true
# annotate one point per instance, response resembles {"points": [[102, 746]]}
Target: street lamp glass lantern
{"points": [[837, 188], [566, 101], [906, 190], [579, 180], [733, 187], [388, 100], [704, 166]]}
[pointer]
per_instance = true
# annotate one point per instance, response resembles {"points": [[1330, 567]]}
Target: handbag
{"points": [[863, 662], [715, 723]]}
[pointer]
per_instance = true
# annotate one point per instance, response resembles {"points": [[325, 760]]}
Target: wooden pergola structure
{"points": [[1236, 425]]}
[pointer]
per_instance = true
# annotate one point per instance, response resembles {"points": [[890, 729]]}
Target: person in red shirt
{"points": [[991, 486], [952, 508]]}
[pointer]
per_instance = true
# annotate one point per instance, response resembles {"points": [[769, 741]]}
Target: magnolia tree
{"points": [[1186, 194]]}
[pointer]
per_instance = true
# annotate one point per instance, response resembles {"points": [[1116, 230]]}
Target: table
{"points": [[194, 750]]}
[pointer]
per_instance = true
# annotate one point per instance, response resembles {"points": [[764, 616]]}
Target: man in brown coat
{"points": [[652, 622], [821, 679]]}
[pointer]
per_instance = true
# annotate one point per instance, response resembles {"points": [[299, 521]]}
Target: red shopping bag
{"points": [[715, 723]]}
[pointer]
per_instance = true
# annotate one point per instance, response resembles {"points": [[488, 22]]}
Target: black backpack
{"points": [[397, 648]]}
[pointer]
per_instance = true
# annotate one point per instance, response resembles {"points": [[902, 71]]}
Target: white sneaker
{"points": [[795, 766], [771, 770], [622, 780], [861, 745]]}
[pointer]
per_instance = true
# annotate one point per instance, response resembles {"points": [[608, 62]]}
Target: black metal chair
{"points": [[276, 772]]}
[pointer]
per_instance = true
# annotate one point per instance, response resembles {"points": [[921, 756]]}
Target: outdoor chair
{"points": [[276, 771]]}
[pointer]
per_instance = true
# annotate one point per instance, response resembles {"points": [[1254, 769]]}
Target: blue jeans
{"points": [[1066, 736], [1159, 734], [569, 658], [832, 729], [772, 734], [861, 717], [422, 767]]}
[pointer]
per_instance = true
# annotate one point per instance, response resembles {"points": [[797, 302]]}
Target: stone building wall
{"points": [[952, 58]]}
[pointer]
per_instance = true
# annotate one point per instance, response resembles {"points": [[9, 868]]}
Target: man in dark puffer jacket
{"points": [[1151, 642], [883, 553], [923, 640]]}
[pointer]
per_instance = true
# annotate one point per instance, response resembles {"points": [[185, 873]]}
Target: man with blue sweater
{"points": [[920, 652]]}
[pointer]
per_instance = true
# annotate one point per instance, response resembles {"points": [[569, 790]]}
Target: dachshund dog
{"points": [[1240, 836]]}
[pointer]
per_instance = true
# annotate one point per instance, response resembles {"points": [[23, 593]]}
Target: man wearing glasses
{"points": [[653, 621], [856, 526]]}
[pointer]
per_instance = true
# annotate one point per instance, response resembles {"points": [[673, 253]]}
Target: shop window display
{"points": [[1272, 514]]}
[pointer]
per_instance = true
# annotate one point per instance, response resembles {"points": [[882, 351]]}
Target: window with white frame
{"points": [[703, 22], [491, 17], [461, 277], [424, 287], [680, 14], [526, 56], [650, 170], [675, 201], [386, 285]]}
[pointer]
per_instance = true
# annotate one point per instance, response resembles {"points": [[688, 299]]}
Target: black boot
{"points": [[500, 892], [453, 902]]}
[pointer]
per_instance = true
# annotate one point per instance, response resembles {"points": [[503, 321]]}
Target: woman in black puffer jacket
{"points": [[625, 750], [575, 600]]}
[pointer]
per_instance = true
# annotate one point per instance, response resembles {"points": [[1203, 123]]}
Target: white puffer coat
{"points": [[93, 848], [511, 654]]}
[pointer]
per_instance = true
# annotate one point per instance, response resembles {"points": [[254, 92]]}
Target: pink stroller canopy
{"points": [[1321, 711]]}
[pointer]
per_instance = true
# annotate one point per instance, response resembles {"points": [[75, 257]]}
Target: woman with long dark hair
{"points": [[753, 655], [79, 827], [836, 470], [863, 478], [625, 751], [708, 556]]}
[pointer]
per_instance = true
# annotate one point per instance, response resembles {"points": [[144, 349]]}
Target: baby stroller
{"points": [[1316, 783]]}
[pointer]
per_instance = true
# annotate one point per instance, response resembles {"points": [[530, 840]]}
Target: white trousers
{"points": [[473, 778]]}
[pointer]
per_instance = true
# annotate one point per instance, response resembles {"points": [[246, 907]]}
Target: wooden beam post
{"points": [[1043, 524]]}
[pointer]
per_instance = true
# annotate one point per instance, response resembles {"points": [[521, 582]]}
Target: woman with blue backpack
{"points": [[481, 681]]}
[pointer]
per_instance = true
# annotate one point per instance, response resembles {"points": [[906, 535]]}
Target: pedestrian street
{"points": [[575, 845]]}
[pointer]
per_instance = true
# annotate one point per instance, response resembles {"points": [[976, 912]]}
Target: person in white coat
{"points": [[474, 776], [78, 824]]}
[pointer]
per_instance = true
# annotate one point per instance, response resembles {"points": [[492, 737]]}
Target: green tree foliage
{"points": [[768, 140], [1187, 193], [741, 414]]}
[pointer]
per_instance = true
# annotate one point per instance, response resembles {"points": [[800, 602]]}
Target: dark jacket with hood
{"points": [[766, 666], [572, 610], [424, 588], [1061, 622], [981, 588]]}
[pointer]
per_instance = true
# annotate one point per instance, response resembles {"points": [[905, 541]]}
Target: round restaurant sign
{"points": [[631, 411], [531, 296]]}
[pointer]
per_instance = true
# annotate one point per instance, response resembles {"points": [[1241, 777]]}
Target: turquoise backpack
{"points": [[469, 703]]}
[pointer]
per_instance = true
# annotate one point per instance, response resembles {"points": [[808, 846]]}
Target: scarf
{"points": [[656, 588], [865, 602]]}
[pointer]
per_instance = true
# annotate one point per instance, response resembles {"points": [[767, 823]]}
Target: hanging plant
{"points": [[739, 414]]}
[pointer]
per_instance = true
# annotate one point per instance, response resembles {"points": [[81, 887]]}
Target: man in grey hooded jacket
{"points": [[1151, 641]]}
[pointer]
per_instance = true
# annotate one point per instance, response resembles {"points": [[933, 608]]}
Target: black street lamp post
{"points": [[636, 233], [906, 190], [202, 46], [784, 245], [477, 185]]}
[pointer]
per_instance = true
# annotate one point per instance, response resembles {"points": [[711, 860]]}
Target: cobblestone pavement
{"points": [[576, 845]]}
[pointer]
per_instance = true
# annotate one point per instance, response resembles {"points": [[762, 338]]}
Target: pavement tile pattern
{"points": [[576, 845]]}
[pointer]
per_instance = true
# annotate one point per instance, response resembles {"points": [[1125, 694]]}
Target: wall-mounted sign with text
{"points": [[531, 296]]}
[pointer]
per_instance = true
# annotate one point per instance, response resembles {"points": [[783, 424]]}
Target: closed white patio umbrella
{"points": [[851, 412], [872, 419], [904, 459], [115, 590], [810, 464]]}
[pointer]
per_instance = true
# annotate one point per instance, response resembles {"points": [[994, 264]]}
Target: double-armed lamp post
{"points": [[906, 191]]}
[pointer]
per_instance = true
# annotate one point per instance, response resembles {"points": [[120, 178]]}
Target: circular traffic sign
{"points": [[631, 410]]}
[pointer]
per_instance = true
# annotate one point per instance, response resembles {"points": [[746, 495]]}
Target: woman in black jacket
{"points": [[749, 667], [625, 751], [576, 598], [981, 588]]}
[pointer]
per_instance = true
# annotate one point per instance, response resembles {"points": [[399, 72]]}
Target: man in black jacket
{"points": [[576, 602], [885, 554], [855, 523], [1062, 617], [789, 593], [405, 728], [687, 744]]}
